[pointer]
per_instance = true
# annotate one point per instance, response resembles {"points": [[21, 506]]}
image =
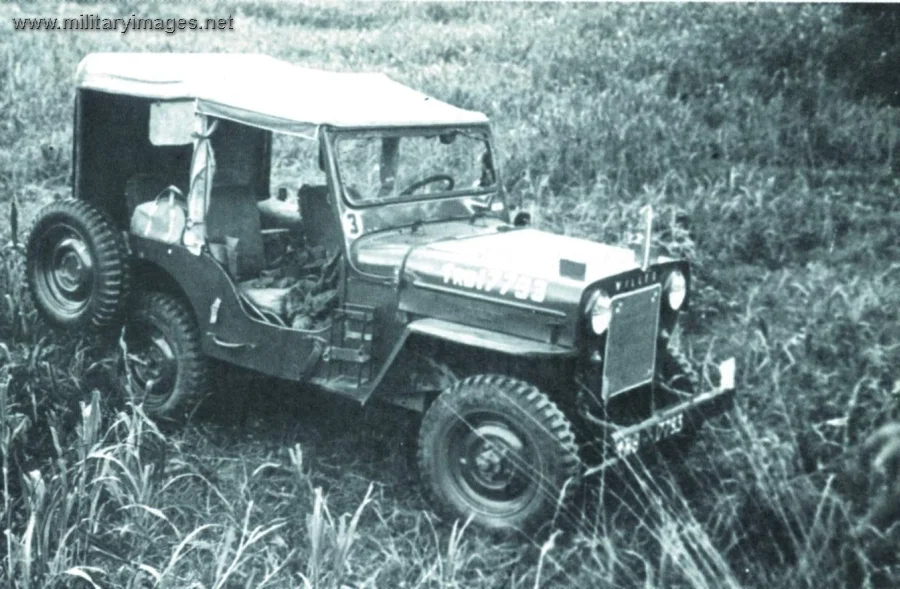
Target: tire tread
{"points": [[529, 399], [106, 311], [193, 365]]}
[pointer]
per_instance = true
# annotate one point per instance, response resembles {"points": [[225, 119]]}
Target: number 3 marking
{"points": [[353, 224]]}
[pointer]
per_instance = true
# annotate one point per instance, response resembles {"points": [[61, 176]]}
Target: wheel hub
{"points": [[72, 265], [153, 364], [492, 460]]}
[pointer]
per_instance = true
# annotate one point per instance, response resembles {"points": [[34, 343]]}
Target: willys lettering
{"points": [[502, 282], [636, 282]]}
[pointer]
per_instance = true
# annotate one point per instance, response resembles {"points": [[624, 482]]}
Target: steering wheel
{"points": [[170, 190], [176, 191], [429, 180]]}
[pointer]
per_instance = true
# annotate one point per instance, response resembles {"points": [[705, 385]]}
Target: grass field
{"points": [[776, 180]]}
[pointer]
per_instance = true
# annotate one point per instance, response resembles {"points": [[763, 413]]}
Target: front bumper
{"points": [[675, 419]]}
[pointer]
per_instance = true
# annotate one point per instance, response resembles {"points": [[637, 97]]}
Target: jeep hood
{"points": [[467, 248], [521, 282], [526, 252]]}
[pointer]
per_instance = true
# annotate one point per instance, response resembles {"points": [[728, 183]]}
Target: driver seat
{"points": [[232, 213], [320, 223]]}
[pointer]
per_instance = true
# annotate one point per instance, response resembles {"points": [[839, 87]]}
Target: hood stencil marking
{"points": [[494, 280]]}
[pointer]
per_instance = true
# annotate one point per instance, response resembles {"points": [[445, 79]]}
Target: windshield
{"points": [[392, 166]]}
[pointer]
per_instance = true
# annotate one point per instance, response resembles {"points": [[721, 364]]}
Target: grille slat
{"points": [[630, 357]]}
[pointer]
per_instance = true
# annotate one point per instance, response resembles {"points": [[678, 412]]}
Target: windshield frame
{"points": [[481, 131]]}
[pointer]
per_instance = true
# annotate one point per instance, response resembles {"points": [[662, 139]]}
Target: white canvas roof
{"points": [[268, 92]]}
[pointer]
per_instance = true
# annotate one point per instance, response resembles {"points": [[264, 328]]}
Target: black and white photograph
{"points": [[333, 294]]}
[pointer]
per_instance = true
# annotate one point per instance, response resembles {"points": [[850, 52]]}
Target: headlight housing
{"points": [[676, 289], [599, 311]]}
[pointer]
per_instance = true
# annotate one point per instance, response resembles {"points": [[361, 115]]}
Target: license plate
{"points": [[629, 444]]}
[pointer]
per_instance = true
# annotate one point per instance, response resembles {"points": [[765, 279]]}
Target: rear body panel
{"points": [[227, 332]]}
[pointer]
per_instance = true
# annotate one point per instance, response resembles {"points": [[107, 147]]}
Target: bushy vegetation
{"points": [[771, 164]]}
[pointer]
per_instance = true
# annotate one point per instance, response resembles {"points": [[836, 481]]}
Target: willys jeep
{"points": [[343, 230]]}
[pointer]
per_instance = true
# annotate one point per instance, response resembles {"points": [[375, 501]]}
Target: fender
{"points": [[227, 332], [475, 337], [487, 339]]}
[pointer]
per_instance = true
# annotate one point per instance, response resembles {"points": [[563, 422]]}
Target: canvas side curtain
{"points": [[203, 169]]}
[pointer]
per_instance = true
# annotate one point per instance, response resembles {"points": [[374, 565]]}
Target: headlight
{"points": [[599, 311], [676, 289]]}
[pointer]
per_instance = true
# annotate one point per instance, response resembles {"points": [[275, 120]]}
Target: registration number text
{"points": [[629, 444]]}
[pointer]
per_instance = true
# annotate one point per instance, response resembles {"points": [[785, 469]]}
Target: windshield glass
{"points": [[391, 166], [295, 163]]}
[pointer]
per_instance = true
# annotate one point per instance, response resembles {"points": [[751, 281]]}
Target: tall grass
{"points": [[767, 171]]}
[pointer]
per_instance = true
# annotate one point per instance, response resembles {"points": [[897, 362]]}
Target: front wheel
{"points": [[164, 363], [499, 450]]}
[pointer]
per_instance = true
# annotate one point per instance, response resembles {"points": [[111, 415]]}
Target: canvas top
{"points": [[266, 92]]}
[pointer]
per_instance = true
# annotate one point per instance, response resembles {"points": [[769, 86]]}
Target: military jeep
{"points": [[343, 230]]}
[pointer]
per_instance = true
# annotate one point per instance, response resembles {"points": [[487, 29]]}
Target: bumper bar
{"points": [[672, 420]]}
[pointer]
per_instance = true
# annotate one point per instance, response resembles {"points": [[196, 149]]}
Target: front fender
{"points": [[473, 337], [487, 339]]}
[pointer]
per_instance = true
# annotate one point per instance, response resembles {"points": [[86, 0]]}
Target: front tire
{"points": [[164, 363], [77, 268], [499, 450]]}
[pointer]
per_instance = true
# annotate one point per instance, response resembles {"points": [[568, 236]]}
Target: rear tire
{"points": [[164, 362], [77, 268], [498, 449]]}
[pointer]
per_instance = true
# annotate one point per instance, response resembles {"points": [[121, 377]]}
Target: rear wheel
{"points": [[499, 450], [163, 359], [77, 267]]}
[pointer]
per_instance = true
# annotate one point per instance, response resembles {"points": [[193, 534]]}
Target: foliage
{"points": [[770, 159], [868, 50]]}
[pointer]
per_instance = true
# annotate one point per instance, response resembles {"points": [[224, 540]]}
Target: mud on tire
{"points": [[500, 450], [77, 268], [164, 362]]}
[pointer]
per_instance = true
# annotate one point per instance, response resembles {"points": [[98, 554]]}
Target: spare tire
{"points": [[77, 268]]}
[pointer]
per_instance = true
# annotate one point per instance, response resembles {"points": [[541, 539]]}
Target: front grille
{"points": [[630, 357]]}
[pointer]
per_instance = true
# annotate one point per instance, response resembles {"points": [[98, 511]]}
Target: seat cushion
{"points": [[232, 213], [320, 223]]}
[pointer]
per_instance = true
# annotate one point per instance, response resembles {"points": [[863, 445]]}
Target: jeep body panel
{"points": [[228, 333], [480, 338], [530, 252], [455, 333]]}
